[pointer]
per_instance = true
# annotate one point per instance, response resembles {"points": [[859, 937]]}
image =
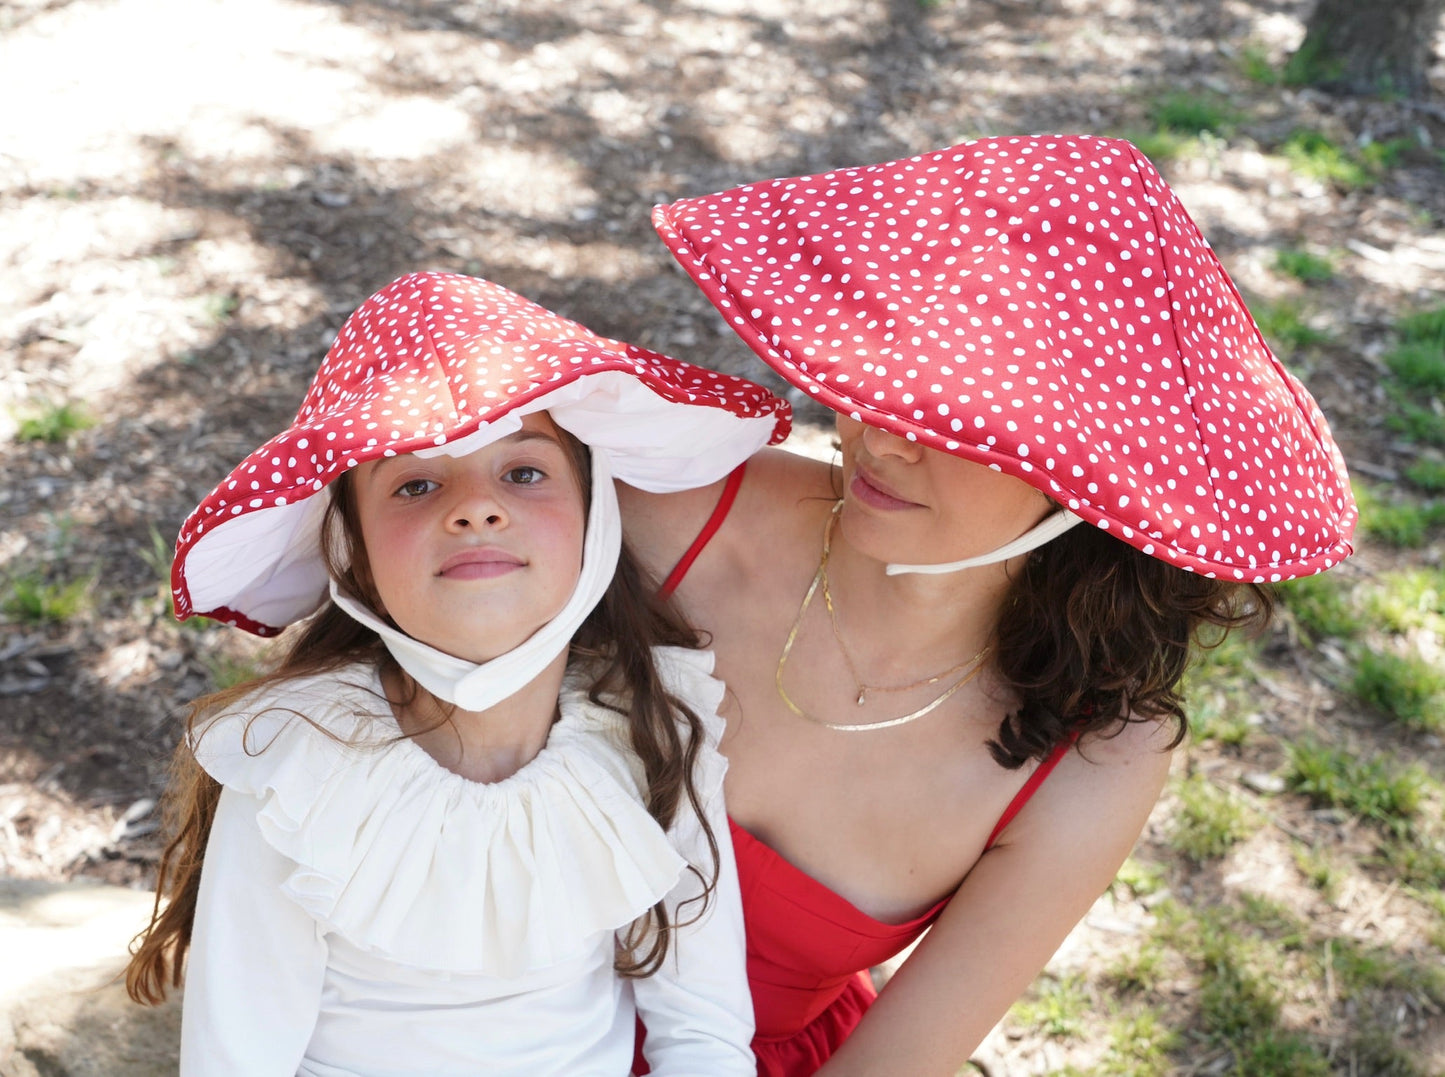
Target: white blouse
{"points": [[364, 911]]}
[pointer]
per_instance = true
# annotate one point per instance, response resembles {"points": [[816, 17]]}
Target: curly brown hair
{"points": [[615, 641], [1094, 634]]}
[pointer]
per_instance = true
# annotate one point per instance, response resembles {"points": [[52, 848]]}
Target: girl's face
{"points": [[473, 554], [909, 504]]}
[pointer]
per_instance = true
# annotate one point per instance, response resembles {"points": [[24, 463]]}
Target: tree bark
{"points": [[1369, 46]]}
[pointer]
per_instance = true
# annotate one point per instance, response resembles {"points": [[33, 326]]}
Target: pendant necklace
{"points": [[968, 669]]}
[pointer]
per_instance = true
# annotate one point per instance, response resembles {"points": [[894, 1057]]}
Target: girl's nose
{"points": [[880, 442], [477, 506]]}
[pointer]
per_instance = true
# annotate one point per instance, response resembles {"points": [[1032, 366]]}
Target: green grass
{"points": [[1427, 475], [1304, 265], [1208, 821], [1142, 879], [228, 670], [1308, 67], [1413, 598], [219, 308], [1423, 423], [1416, 390], [1138, 970], [1231, 657], [1377, 788], [1377, 1052], [1400, 521], [1321, 606], [1160, 145], [1316, 155], [1140, 1044], [1241, 955], [1216, 688], [1319, 870], [1222, 719], [1284, 325], [30, 599], [1236, 1002], [1359, 968], [1380, 157], [1191, 113], [1407, 687], [1054, 1007], [1279, 1053], [1255, 65], [53, 424], [1418, 365], [1424, 325], [157, 556], [1416, 856]]}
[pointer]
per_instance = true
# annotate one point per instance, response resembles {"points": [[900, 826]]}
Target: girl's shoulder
{"points": [[339, 709]]}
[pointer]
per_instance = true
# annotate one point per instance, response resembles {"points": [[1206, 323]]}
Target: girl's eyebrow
{"points": [[518, 438]]}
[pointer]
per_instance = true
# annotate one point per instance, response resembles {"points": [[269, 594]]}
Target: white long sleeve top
{"points": [[364, 911]]}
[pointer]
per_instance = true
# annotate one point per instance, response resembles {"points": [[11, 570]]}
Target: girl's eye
{"points": [[525, 476], [416, 487]]}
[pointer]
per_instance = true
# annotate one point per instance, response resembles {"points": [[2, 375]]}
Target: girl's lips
{"points": [[482, 563], [869, 491]]}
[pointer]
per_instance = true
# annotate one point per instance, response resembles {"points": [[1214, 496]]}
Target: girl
{"points": [[475, 812], [950, 707]]}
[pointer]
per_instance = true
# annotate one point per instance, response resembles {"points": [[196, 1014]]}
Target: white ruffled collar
{"points": [[409, 860]]}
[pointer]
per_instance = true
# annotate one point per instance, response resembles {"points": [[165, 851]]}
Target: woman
{"points": [[950, 706]]}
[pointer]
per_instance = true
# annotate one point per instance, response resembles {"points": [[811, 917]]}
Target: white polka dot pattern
{"points": [[425, 361], [1043, 305]]}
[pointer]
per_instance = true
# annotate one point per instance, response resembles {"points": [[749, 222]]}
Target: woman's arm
{"points": [[1012, 911], [257, 961]]}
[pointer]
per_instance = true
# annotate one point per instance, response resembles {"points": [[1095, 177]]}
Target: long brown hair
{"points": [[615, 641], [1094, 634]]}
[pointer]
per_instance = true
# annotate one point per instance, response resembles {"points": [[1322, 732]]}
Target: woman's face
{"points": [[908, 504]]}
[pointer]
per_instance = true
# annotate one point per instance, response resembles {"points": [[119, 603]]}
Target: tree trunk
{"points": [[1369, 46]]}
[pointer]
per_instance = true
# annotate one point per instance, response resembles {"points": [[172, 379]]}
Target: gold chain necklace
{"points": [[972, 666]]}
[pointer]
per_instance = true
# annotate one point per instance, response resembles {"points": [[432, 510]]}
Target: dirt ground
{"points": [[195, 193]]}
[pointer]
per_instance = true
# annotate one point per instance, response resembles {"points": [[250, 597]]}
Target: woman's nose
{"points": [[880, 442]]}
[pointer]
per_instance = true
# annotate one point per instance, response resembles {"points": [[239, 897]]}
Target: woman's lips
{"points": [[872, 493], [483, 563]]}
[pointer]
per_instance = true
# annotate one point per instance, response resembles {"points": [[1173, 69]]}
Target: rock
{"points": [[1265, 783], [63, 1007]]}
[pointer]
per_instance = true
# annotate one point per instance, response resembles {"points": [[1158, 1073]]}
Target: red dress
{"points": [[809, 950]]}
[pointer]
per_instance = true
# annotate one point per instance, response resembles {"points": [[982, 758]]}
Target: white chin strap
{"points": [[1047, 529], [476, 687]]}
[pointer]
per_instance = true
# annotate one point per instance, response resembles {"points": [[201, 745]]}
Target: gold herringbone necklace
{"points": [[971, 667]]}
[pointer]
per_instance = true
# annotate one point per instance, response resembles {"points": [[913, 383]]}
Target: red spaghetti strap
{"points": [[709, 529], [1036, 779]]}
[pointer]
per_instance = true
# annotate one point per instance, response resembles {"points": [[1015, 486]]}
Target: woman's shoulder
{"points": [[1116, 773], [777, 487]]}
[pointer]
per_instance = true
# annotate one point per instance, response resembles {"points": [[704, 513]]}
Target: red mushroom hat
{"points": [[1045, 306], [426, 362]]}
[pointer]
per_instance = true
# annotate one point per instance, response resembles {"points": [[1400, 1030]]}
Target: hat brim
{"points": [[773, 258], [249, 555]]}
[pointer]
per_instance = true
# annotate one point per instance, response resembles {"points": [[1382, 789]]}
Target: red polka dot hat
{"points": [[428, 361], [1045, 306]]}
